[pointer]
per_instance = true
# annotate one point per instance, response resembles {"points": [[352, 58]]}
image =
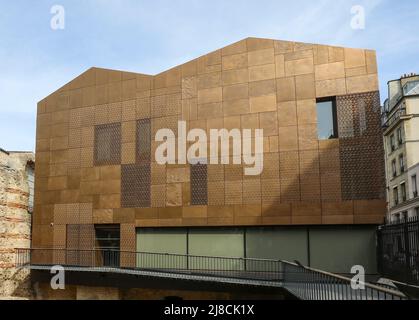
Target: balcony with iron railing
{"points": [[388, 119]]}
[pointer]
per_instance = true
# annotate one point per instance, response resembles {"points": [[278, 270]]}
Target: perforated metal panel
{"points": [[73, 236], [361, 149], [80, 238], [199, 186], [128, 243], [107, 149], [60, 214], [143, 141], [189, 87], [135, 186]]}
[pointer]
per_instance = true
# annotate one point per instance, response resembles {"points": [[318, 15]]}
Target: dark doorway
{"points": [[107, 244]]}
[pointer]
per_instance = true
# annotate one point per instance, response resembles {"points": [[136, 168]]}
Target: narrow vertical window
{"points": [[414, 186], [403, 190], [399, 136], [199, 188], [394, 168], [396, 196], [392, 143], [401, 161], [327, 119]]}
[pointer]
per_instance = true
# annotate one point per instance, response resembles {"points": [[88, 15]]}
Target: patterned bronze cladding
{"points": [[107, 144], [199, 184], [95, 148], [143, 141], [135, 186], [79, 238], [361, 150]]}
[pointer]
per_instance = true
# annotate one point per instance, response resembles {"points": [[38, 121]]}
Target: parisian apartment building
{"points": [[318, 200], [401, 143]]}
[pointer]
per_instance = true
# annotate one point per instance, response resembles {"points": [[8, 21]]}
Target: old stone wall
{"points": [[15, 223], [79, 292]]}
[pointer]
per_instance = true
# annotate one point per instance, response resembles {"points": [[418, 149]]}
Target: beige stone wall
{"points": [[411, 132], [15, 223]]}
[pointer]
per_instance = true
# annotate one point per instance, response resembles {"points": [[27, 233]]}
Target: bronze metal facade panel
{"points": [[199, 184], [107, 150], [143, 141], [128, 245], [361, 149], [95, 142], [135, 186], [81, 239]]}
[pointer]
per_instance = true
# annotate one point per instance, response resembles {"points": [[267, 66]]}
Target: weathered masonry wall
{"points": [[15, 221]]}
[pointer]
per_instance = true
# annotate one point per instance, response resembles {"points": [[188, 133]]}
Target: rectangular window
{"points": [[414, 186], [221, 242], [107, 237], [392, 143], [417, 212], [107, 242], [396, 196], [162, 241], [394, 168], [403, 190], [107, 145], [327, 119], [401, 162], [199, 179], [399, 136], [143, 140], [135, 186]]}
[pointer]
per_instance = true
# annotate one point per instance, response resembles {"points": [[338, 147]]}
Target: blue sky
{"points": [[152, 36]]}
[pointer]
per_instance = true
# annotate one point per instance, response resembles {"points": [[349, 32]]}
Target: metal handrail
{"points": [[394, 116], [348, 280], [304, 282], [155, 253]]}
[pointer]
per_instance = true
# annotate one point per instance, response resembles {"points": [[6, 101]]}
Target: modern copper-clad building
{"points": [[318, 199]]}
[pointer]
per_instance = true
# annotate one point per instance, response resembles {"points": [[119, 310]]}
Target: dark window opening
{"points": [[327, 127], [107, 245], [394, 168], [107, 146], [414, 186], [399, 136], [396, 196], [401, 161], [403, 190], [392, 143]]}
